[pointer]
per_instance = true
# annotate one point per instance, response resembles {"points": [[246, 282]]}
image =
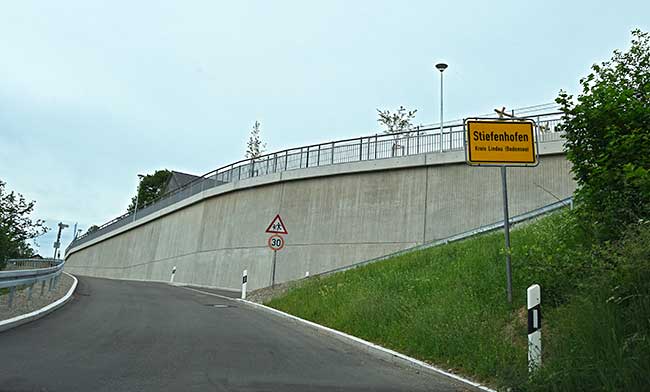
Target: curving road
{"points": [[140, 336]]}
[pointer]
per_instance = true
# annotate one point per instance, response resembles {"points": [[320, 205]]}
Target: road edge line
{"points": [[205, 292], [45, 310], [368, 346]]}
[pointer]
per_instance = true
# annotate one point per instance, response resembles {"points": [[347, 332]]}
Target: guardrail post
{"points": [[318, 156], [368, 149], [29, 295], [42, 287], [49, 286], [332, 157], [12, 290], [361, 149], [307, 162], [375, 146]]}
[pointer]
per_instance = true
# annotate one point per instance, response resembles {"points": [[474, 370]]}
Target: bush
{"points": [[608, 140], [554, 253], [600, 339]]}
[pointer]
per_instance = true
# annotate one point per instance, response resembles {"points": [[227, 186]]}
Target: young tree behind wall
{"points": [[151, 187], [608, 140], [16, 225], [397, 123], [255, 148]]}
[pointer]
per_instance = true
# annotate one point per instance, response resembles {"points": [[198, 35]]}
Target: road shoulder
{"points": [[24, 311]]}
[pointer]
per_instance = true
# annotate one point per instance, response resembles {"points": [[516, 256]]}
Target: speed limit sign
{"points": [[276, 242]]}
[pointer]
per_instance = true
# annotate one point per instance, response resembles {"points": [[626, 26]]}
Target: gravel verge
{"points": [[21, 305], [264, 295]]}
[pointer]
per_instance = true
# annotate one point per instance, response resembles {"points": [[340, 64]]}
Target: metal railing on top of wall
{"points": [[420, 140]]}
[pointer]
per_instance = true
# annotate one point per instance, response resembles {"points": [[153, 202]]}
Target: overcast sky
{"points": [[94, 92]]}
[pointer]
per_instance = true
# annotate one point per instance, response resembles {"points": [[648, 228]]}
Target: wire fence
{"points": [[419, 140]]}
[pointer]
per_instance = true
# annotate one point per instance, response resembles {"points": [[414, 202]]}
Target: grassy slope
{"points": [[447, 306]]}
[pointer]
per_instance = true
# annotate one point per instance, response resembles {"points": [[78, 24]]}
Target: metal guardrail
{"points": [[49, 272], [568, 202], [419, 140]]}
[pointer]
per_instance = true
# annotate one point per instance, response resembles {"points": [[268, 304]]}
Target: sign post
{"points": [[502, 143], [506, 229], [275, 241]]}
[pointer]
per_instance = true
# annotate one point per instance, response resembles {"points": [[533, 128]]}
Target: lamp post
{"points": [[57, 244], [137, 196], [441, 67]]}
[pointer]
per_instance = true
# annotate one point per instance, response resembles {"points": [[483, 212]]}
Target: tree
{"points": [[608, 140], [150, 188], [397, 122], [255, 148], [16, 225]]}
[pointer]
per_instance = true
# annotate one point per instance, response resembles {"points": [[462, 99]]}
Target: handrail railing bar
{"points": [[335, 146]]}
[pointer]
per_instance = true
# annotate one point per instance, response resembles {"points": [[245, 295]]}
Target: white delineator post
{"points": [[244, 281], [534, 328], [171, 280]]}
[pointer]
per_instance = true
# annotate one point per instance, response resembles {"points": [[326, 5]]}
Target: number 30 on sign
{"points": [[276, 242]]}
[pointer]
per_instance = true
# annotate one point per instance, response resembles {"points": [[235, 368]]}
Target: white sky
{"points": [[94, 92]]}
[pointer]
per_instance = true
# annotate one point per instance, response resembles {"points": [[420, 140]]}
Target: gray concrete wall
{"points": [[336, 216]]}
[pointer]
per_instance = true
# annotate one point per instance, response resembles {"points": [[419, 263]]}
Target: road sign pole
{"points": [[275, 253], [506, 228]]}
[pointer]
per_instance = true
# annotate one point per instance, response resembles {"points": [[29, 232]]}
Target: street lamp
{"points": [[441, 67], [57, 244], [137, 196]]}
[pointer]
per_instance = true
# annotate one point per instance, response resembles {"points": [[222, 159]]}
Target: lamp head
{"points": [[441, 66]]}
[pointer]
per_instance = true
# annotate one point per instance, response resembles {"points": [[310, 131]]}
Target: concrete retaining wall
{"points": [[336, 215]]}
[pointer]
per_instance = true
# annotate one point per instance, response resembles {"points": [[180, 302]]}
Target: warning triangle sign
{"points": [[277, 226]]}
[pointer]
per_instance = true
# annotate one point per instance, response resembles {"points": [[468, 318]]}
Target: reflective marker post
{"points": [[534, 328], [171, 280], [244, 281]]}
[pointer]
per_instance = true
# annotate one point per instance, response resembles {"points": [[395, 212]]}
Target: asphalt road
{"points": [[134, 336]]}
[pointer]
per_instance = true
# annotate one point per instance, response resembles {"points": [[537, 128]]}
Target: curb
{"points": [[45, 310], [372, 348]]}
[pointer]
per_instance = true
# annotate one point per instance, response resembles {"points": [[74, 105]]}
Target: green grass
{"points": [[447, 306]]}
